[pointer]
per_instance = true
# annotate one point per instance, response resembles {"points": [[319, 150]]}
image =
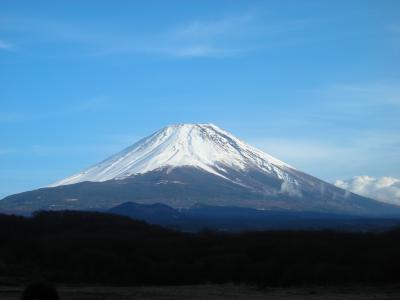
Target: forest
{"points": [[101, 248]]}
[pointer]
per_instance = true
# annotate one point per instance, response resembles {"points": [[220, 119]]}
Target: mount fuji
{"points": [[202, 146], [187, 165]]}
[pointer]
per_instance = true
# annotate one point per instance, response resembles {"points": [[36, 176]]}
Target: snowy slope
{"points": [[204, 146]]}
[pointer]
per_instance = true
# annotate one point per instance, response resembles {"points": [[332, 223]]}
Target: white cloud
{"points": [[290, 189], [385, 189]]}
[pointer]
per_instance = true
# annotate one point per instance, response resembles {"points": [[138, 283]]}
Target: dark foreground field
{"points": [[212, 292], [109, 250]]}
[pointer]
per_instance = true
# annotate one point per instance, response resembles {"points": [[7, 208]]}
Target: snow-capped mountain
{"points": [[194, 164], [203, 146]]}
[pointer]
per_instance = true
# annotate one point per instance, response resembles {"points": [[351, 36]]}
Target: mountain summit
{"points": [[188, 165], [203, 146]]}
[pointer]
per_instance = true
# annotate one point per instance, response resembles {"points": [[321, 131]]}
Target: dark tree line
{"points": [[82, 247]]}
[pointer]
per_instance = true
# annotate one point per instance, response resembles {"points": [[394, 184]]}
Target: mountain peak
{"points": [[203, 146], [191, 126], [180, 125]]}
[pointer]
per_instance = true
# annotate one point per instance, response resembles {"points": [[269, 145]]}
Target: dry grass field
{"points": [[214, 292]]}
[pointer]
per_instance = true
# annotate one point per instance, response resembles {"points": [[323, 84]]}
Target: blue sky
{"points": [[314, 83]]}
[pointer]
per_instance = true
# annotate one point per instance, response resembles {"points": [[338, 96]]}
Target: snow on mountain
{"points": [[204, 146]]}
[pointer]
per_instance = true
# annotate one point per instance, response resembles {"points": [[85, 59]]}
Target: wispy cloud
{"points": [[49, 150], [11, 117], [359, 94], [297, 151], [5, 151], [228, 26], [90, 105], [6, 45], [331, 157], [395, 27], [193, 51], [223, 37], [350, 106], [227, 36], [42, 29], [213, 38]]}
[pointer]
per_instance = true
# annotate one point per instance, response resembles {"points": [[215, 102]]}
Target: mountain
{"points": [[189, 164], [202, 146], [156, 213], [236, 219]]}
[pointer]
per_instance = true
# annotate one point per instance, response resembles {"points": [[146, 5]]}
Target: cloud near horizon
{"points": [[384, 189]]}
